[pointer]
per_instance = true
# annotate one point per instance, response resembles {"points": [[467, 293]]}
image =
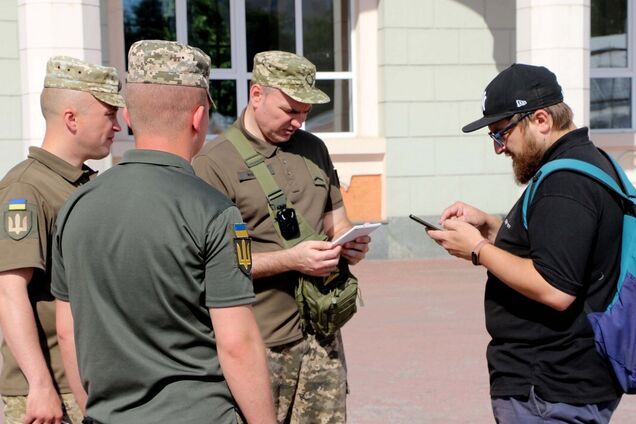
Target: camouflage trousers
{"points": [[15, 408], [309, 381]]}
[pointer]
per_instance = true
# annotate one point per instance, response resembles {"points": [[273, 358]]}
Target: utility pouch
{"points": [[326, 304]]}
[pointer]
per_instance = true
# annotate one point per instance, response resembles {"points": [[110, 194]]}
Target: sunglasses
{"points": [[498, 136]]}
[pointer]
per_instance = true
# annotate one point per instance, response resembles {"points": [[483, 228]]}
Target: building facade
{"points": [[403, 75]]}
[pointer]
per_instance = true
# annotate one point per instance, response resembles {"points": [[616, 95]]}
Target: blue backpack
{"points": [[614, 328]]}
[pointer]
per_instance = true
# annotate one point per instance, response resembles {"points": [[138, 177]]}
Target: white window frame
{"points": [[629, 71], [238, 71]]}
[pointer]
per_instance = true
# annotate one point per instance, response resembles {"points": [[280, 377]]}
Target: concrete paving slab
{"points": [[416, 350]]}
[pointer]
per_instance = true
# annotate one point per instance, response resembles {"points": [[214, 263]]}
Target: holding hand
{"points": [[315, 258], [459, 238], [354, 251], [488, 225]]}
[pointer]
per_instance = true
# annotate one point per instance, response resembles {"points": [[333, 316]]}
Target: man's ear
{"points": [[543, 121], [198, 119], [70, 119], [256, 94], [127, 116]]}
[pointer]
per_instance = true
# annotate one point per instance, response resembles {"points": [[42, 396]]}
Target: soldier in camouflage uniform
{"points": [[79, 103], [165, 328], [308, 375]]}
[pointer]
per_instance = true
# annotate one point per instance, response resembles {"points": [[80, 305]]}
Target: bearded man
{"points": [[542, 360]]}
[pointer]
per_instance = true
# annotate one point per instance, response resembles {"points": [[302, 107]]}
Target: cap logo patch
{"points": [[521, 103], [483, 103]]}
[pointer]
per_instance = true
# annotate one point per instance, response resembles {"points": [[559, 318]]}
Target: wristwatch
{"points": [[474, 255]]}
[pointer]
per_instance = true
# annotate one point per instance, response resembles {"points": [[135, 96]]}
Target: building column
{"points": [[49, 28], [556, 34]]}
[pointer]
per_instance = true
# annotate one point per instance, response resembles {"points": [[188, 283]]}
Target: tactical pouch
{"points": [[326, 304]]}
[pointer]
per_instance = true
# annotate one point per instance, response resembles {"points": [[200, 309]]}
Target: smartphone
{"points": [[428, 225]]}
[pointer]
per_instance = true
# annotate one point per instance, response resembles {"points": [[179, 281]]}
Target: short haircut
{"points": [[54, 100], [162, 109], [561, 116]]}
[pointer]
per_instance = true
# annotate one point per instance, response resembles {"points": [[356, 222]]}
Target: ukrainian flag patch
{"points": [[240, 230], [243, 249], [17, 204]]}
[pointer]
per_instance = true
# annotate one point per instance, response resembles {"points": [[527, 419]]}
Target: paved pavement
{"points": [[416, 350]]}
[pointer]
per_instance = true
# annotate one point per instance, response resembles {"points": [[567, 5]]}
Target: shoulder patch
{"points": [[17, 219], [240, 230], [17, 205], [243, 248]]}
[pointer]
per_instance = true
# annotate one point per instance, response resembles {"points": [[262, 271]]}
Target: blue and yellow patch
{"points": [[17, 205], [243, 248], [240, 230], [17, 219]]}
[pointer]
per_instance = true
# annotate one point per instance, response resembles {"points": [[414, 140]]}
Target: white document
{"points": [[356, 231]]}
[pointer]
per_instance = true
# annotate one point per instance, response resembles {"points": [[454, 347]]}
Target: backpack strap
{"points": [[628, 192], [276, 198], [628, 188]]}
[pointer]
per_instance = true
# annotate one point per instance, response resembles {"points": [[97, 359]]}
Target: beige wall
{"points": [[11, 149], [436, 58]]}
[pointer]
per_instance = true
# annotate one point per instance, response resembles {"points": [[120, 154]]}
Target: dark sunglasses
{"points": [[498, 136]]}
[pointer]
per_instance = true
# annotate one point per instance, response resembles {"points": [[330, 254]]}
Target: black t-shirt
{"points": [[573, 238]]}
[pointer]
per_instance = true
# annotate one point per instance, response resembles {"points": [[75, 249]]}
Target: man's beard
{"points": [[526, 163]]}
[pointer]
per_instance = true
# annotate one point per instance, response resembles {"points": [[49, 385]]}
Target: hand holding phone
{"points": [[428, 225]]}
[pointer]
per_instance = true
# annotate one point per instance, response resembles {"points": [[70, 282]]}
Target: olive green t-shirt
{"points": [[220, 164], [141, 254], [31, 194]]}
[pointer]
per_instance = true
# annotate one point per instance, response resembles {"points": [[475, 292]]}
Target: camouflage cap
{"points": [[292, 74], [169, 63], [74, 74]]}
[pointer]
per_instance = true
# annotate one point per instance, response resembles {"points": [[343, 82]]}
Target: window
{"points": [[232, 31], [612, 65]]}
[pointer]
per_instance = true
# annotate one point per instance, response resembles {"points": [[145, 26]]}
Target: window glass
{"points": [[148, 20], [270, 25], [325, 26], [326, 34], [608, 45], [224, 96], [209, 30], [611, 103], [334, 116]]}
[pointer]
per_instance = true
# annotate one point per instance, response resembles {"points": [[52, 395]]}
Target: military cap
{"points": [[74, 74], [169, 63], [292, 74]]}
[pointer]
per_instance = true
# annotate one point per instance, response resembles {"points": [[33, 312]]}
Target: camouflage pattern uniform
{"points": [[73, 74], [151, 67], [309, 380], [44, 186], [15, 408], [292, 74], [308, 376]]}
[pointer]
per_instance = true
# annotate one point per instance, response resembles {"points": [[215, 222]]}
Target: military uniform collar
{"points": [[261, 146], [60, 166], [156, 157]]}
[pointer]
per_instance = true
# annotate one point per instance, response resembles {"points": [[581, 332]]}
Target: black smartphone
{"points": [[428, 225]]}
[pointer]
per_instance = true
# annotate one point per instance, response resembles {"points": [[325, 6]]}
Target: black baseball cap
{"points": [[517, 89]]}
